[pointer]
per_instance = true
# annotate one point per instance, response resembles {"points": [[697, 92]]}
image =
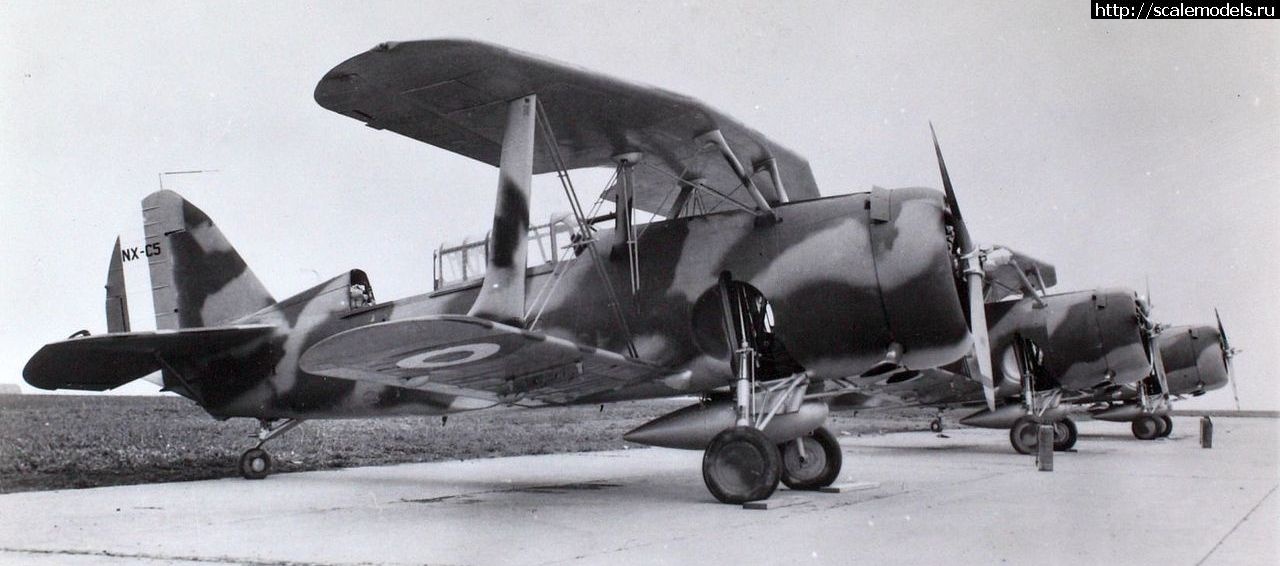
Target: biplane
{"points": [[748, 290], [1051, 352]]}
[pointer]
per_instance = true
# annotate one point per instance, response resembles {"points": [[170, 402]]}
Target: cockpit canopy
{"points": [[457, 264]]}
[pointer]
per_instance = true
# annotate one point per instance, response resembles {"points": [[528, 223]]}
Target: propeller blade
{"points": [[1231, 377], [981, 341], [1157, 364], [1222, 332], [973, 278], [963, 242], [1227, 354]]}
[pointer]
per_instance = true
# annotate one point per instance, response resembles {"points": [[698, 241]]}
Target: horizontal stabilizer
{"points": [[453, 94], [107, 361], [473, 357]]}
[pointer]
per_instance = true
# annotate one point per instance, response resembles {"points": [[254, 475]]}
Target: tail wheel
{"points": [[936, 425], [1064, 435], [255, 464], [1168, 426], [1146, 427], [741, 464], [1024, 435], [820, 465]]}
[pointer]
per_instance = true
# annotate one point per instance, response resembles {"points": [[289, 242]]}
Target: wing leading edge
{"points": [[452, 94]]}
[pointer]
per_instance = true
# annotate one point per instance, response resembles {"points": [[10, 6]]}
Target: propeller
{"points": [[971, 264], [1227, 353]]}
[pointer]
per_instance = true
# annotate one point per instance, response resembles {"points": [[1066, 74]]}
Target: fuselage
{"points": [[1086, 340], [846, 291]]}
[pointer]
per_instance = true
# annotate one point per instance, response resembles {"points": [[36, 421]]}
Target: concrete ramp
{"points": [[963, 499]]}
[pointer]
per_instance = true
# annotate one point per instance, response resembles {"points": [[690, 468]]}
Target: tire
{"points": [[935, 425], [1023, 435], [1168, 426], [255, 464], [1064, 435], [821, 466], [1146, 427], [741, 464]]}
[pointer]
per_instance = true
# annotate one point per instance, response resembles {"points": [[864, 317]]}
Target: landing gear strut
{"points": [[255, 463], [742, 463]]}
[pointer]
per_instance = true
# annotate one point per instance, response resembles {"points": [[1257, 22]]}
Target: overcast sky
{"points": [[1116, 150]]}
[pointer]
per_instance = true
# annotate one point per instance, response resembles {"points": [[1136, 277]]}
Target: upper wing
{"points": [[1008, 272], [473, 357], [453, 93], [107, 361]]}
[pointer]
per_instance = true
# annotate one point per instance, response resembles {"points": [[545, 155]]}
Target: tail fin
{"points": [[197, 278], [117, 298]]}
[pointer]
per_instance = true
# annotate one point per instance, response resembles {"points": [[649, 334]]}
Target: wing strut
{"points": [[501, 298], [771, 165], [584, 228], [625, 230], [714, 137]]}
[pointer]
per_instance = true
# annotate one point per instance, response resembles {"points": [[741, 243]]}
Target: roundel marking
{"points": [[450, 356]]}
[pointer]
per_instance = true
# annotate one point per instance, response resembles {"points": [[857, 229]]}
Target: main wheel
{"points": [[1064, 435], [1146, 427], [936, 425], [1024, 435], [820, 465], [741, 464], [1168, 426], [255, 464]]}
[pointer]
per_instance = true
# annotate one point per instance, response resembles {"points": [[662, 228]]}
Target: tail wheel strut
{"points": [[256, 463]]}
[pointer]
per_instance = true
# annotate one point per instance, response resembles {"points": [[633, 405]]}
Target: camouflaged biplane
{"points": [[1052, 348], [752, 291]]}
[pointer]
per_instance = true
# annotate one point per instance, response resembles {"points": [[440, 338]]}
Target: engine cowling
{"points": [[867, 279], [1193, 359]]}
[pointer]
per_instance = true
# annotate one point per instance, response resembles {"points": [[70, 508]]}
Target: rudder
{"points": [[197, 278]]}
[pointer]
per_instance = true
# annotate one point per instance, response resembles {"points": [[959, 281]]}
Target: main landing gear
{"points": [[744, 463], [741, 464], [812, 461], [255, 463], [1151, 427], [1024, 434]]}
